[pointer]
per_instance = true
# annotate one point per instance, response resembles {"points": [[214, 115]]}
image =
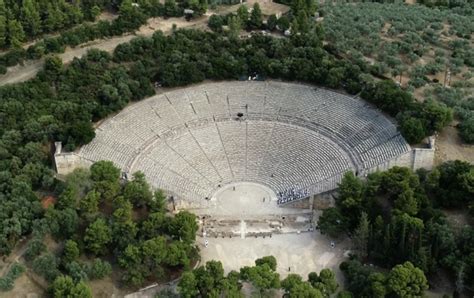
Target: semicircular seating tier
{"points": [[192, 141]]}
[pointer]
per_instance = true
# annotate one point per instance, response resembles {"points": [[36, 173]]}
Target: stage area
{"points": [[244, 200]]}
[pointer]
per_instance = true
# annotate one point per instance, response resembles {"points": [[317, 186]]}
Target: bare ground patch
{"points": [[24, 286], [449, 146]]}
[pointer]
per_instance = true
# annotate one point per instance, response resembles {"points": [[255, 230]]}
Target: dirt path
{"points": [[21, 73]]}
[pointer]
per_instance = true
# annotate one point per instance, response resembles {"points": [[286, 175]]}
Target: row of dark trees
{"points": [[131, 17], [299, 22], [395, 216], [29, 19], [416, 120], [21, 21], [403, 280], [209, 281]]}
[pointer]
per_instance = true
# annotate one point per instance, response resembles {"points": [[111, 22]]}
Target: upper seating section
{"points": [[190, 141]]}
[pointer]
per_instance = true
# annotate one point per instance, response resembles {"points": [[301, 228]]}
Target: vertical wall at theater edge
{"points": [[66, 162], [415, 159]]}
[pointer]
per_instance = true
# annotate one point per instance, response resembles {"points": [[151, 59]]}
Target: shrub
{"points": [[99, 269], [7, 281], [46, 266], [34, 249], [466, 130]]}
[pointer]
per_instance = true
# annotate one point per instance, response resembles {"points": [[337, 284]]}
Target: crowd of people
{"points": [[291, 194]]}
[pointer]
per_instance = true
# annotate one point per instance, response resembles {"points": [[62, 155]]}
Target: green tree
{"points": [[131, 260], [3, 25], [124, 229], [99, 269], [187, 285], [283, 23], [269, 260], [53, 66], [466, 127], [297, 6], [215, 23], [255, 21], [16, 35], [71, 251], [184, 226], [377, 283], [98, 235], [138, 191], [261, 276], [104, 171], [243, 14], [294, 286], [272, 22], [67, 199], [350, 198], [3, 31], [177, 254], [30, 18], [210, 279], [46, 266], [303, 22], [64, 286], [77, 271], [54, 18], [412, 129], [171, 8], [328, 279], [361, 236], [406, 280], [62, 223], [35, 248], [106, 179], [235, 25], [90, 203], [154, 225], [332, 222], [158, 204], [406, 202], [362, 280], [131, 16], [82, 290], [7, 281], [154, 252], [311, 7], [437, 115]]}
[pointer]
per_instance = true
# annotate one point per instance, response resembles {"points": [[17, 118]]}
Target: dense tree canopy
{"points": [[395, 221]]}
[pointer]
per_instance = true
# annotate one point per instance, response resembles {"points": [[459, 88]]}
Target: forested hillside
{"points": [[396, 217], [72, 32], [23, 20]]}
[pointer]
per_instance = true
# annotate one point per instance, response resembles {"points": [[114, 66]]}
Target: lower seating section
{"points": [[297, 139]]}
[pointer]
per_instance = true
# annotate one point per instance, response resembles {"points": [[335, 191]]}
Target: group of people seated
{"points": [[291, 194]]}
